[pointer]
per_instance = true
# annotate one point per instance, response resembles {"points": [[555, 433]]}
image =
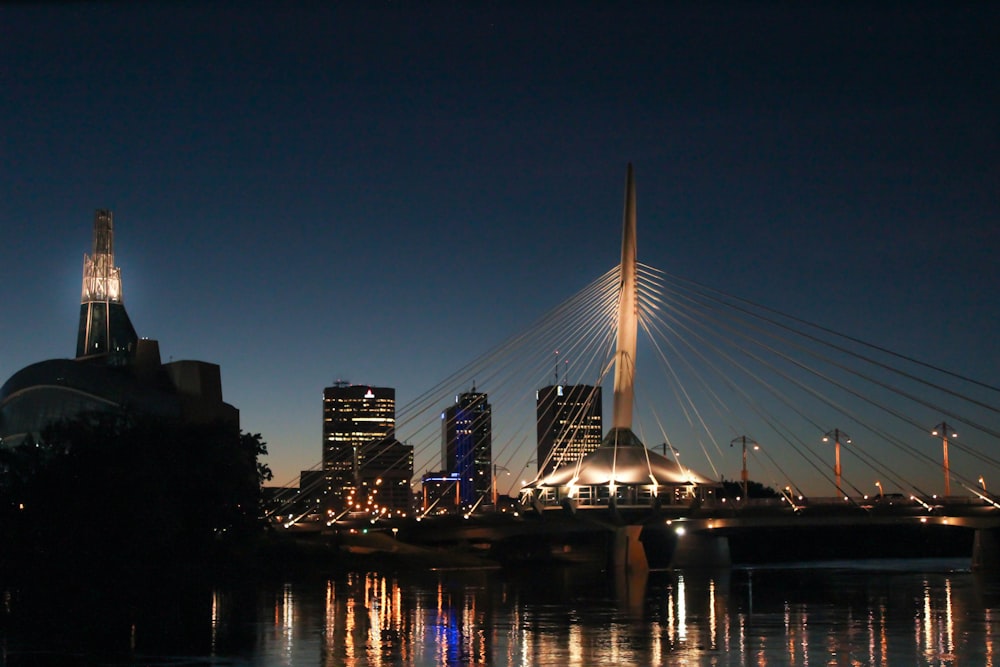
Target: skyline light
{"points": [[315, 193]]}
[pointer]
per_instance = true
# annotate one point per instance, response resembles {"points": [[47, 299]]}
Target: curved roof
{"points": [[62, 388], [623, 459], [113, 384]]}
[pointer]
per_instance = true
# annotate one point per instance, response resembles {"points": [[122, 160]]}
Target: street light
{"points": [[837, 434], [495, 468], [673, 450], [743, 474], [943, 430], [879, 485]]}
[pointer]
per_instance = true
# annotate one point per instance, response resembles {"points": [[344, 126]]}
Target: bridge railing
{"points": [[841, 501]]}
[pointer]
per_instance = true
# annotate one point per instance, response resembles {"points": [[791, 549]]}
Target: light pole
{"points": [[673, 451], [879, 485], [743, 473], [837, 434], [943, 430], [495, 468]]}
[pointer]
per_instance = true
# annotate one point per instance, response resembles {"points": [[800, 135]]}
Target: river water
{"points": [[905, 612]]}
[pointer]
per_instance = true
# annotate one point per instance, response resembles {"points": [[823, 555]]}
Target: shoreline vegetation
{"points": [[108, 499], [106, 503]]}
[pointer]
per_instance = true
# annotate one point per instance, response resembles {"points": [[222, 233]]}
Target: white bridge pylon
{"points": [[622, 472], [628, 315]]}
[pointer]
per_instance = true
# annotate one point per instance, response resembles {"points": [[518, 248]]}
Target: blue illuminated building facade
{"points": [[466, 445]]}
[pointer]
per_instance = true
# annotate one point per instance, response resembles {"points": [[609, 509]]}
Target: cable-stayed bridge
{"points": [[727, 389]]}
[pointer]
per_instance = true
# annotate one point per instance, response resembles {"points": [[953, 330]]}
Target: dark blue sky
{"points": [[381, 191]]}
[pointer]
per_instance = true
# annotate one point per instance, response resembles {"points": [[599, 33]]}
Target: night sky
{"points": [[378, 192]]}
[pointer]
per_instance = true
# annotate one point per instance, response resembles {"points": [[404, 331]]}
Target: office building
{"points": [[569, 424], [367, 469], [466, 446]]}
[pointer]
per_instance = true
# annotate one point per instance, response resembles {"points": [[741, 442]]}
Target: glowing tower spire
{"points": [[627, 324], [105, 328], [102, 280]]}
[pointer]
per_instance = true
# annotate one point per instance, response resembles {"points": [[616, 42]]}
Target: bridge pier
{"points": [[700, 551], [986, 549], [627, 550]]}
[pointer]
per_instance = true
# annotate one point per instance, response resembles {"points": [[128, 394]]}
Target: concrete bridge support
{"points": [[986, 549], [700, 551], [627, 550]]}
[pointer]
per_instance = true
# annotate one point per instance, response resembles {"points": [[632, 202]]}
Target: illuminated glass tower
{"points": [[569, 424], [360, 453], [466, 444], [105, 328]]}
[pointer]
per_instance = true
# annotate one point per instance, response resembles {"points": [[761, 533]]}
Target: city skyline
{"points": [[317, 213]]}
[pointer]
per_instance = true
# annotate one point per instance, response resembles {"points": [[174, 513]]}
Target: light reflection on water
{"points": [[896, 612]]}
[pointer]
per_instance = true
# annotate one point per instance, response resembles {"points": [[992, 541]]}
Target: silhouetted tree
{"points": [[734, 489], [110, 492]]}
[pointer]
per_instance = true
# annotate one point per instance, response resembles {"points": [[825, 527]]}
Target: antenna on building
{"points": [[341, 383], [557, 367]]}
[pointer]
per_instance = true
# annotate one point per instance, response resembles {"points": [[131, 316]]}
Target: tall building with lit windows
{"points": [[466, 445], [366, 468], [569, 424]]}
